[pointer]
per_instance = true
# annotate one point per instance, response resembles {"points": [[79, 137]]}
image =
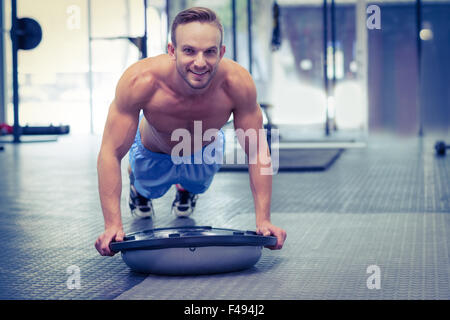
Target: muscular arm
{"points": [[118, 136], [248, 123], [251, 136], [120, 130]]}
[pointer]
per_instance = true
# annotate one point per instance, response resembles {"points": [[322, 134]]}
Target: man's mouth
{"points": [[199, 73]]}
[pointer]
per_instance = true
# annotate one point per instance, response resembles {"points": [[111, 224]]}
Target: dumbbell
{"points": [[441, 147]]}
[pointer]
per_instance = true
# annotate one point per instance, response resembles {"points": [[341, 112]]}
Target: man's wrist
{"points": [[262, 221], [113, 225]]}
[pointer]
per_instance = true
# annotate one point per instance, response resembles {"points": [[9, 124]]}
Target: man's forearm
{"points": [[261, 186], [110, 189]]}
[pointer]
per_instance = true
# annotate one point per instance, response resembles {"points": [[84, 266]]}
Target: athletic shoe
{"points": [[140, 206], [184, 203]]}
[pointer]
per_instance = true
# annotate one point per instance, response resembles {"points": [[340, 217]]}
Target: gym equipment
{"points": [[293, 160], [139, 42], [50, 130], [26, 34], [35, 131], [441, 148], [5, 129], [250, 36], [292, 156], [191, 250], [29, 33], [276, 32]]}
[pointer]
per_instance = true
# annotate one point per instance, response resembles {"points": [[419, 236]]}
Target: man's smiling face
{"points": [[197, 53]]}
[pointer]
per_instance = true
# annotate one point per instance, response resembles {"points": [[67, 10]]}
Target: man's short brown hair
{"points": [[196, 14]]}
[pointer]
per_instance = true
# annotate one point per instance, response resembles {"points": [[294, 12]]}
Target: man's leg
{"points": [[140, 206], [184, 203], [197, 178]]}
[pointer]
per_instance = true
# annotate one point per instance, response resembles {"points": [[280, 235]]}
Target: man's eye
{"points": [[187, 50]]}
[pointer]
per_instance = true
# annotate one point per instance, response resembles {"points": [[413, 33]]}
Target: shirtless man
{"points": [[192, 83]]}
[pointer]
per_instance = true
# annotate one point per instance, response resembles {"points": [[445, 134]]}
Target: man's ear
{"points": [[222, 51], [171, 50]]}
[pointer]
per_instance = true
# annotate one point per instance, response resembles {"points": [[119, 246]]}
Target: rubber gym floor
{"points": [[386, 205]]}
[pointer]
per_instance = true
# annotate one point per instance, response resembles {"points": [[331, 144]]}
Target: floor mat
{"points": [[330, 256], [291, 160]]}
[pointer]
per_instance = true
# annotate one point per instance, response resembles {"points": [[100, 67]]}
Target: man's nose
{"points": [[200, 61]]}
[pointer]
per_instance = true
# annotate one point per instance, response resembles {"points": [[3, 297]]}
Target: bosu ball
{"points": [[191, 250]]}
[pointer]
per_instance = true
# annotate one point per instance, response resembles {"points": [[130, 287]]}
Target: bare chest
{"points": [[165, 114]]}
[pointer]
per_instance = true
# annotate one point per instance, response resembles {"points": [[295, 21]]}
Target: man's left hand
{"points": [[268, 229]]}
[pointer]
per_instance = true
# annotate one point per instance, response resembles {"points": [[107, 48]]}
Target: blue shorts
{"points": [[154, 173]]}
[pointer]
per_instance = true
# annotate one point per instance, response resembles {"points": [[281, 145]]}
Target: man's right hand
{"points": [[110, 234]]}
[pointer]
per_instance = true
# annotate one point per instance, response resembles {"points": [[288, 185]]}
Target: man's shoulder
{"points": [[235, 72], [239, 81], [146, 71], [139, 81]]}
